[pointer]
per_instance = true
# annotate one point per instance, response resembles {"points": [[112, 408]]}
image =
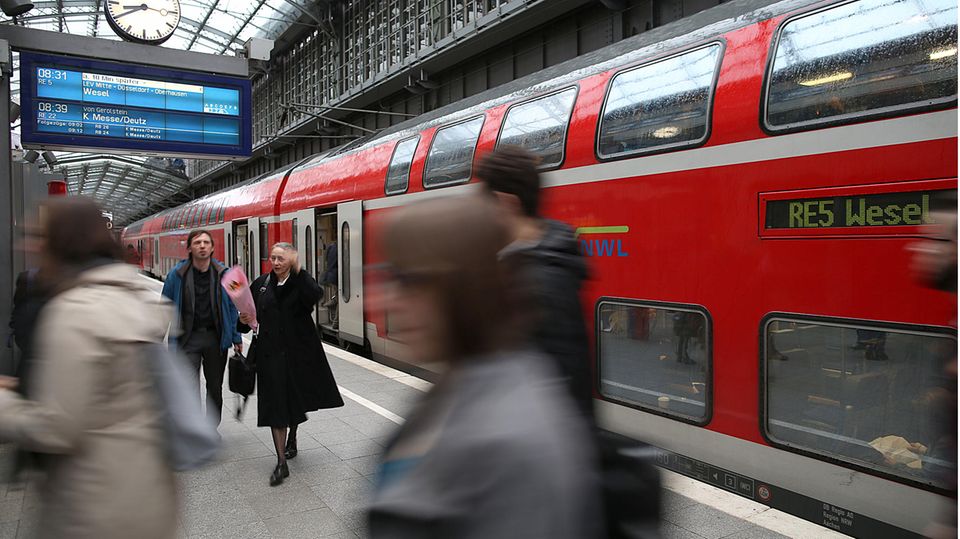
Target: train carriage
{"points": [[745, 183]]}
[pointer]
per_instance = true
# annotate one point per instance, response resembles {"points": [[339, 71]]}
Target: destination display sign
{"points": [[911, 208], [80, 104]]}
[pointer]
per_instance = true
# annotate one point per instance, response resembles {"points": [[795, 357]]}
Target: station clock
{"points": [[143, 21]]}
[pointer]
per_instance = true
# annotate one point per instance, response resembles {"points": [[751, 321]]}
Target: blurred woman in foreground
{"points": [[496, 449], [92, 410]]}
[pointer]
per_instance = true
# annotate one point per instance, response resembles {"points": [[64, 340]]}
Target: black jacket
{"points": [[329, 276], [293, 376], [552, 272]]}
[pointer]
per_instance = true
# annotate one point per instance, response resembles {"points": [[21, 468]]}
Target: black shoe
{"points": [[291, 449], [280, 473]]}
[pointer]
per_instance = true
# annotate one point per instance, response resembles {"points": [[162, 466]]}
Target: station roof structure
{"points": [[127, 185]]}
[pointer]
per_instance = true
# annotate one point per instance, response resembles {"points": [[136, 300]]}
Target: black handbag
{"points": [[242, 377]]}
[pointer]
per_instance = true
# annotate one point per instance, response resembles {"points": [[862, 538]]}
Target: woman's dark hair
{"points": [[513, 170], [76, 233], [76, 237], [451, 246]]}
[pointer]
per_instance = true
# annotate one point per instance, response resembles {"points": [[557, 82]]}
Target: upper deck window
{"points": [[450, 159], [862, 59], [661, 105], [398, 175], [540, 126]]}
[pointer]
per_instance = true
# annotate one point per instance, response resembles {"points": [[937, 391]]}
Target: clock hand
{"points": [[129, 11]]}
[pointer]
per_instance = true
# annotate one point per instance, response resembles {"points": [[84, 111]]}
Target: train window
{"points": [[293, 234], [656, 356], [308, 244], [223, 211], [659, 106], [864, 58], [344, 251], [450, 159], [870, 394], [540, 126], [398, 175], [264, 241]]}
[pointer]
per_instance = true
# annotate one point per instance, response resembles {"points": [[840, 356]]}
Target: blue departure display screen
{"points": [[72, 102]]}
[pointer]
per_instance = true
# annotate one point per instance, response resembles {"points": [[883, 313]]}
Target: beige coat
{"points": [[95, 412]]}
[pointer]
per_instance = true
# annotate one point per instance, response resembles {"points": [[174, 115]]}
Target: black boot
{"points": [[291, 450], [280, 473]]}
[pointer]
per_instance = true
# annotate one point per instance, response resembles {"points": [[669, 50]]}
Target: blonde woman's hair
{"points": [[285, 246]]}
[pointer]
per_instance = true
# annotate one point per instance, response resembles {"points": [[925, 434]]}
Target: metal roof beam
{"points": [[203, 24], [246, 21]]}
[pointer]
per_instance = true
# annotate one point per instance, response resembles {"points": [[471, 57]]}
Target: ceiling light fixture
{"points": [[945, 53], [836, 77], [668, 131]]}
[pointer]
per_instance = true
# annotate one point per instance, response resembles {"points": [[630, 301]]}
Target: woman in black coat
{"points": [[293, 376]]}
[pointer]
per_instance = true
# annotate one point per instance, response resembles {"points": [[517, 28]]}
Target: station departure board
{"points": [[78, 104]]}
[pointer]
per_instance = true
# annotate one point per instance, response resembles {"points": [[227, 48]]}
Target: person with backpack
{"points": [[549, 263], [91, 409]]}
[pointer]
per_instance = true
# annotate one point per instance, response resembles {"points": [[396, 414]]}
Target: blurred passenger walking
{"points": [[207, 317], [934, 264], [293, 376], [92, 408], [550, 264], [496, 448]]}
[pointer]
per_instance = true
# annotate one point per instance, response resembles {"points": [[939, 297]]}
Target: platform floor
{"points": [[332, 476]]}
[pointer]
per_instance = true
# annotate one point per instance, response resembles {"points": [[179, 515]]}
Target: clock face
{"points": [[143, 21]]}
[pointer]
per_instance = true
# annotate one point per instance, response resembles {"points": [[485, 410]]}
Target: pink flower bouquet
{"points": [[237, 285]]}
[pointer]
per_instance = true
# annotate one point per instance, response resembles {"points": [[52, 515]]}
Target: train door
{"points": [[350, 269], [303, 233], [241, 248], [155, 260]]}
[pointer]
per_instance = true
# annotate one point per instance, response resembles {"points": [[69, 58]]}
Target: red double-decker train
{"points": [[745, 183]]}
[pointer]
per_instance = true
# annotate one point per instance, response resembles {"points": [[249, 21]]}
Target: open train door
{"points": [[305, 243], [350, 270]]}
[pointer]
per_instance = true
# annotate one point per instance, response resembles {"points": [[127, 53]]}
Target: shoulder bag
{"points": [[192, 438]]}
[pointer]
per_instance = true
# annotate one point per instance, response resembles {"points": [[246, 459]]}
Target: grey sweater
{"points": [[504, 454]]}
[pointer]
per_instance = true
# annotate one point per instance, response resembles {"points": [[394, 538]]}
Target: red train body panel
{"points": [[688, 230]]}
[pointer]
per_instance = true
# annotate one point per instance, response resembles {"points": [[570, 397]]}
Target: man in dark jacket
{"points": [[207, 316], [552, 267], [329, 281]]}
